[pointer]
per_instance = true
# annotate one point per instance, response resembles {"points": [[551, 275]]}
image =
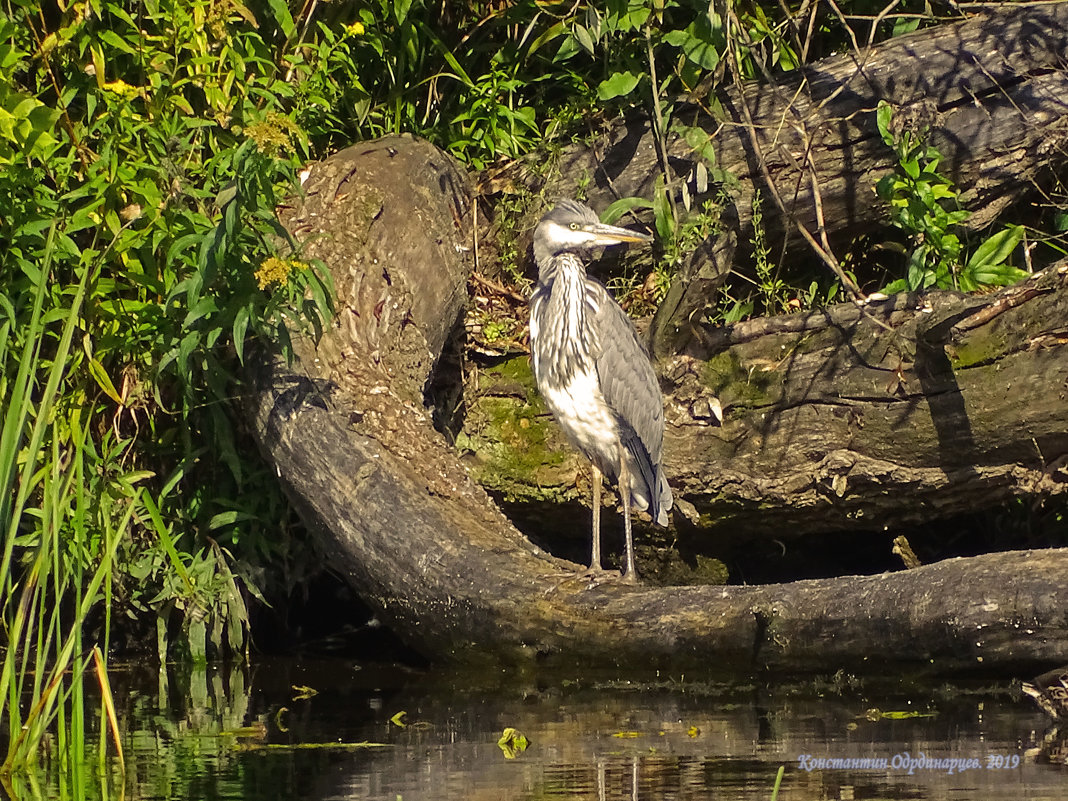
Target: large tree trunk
{"points": [[856, 417]]}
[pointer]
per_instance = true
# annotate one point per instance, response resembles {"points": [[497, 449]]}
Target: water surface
{"points": [[331, 730]]}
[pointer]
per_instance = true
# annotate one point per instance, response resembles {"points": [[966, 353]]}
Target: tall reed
{"points": [[59, 531]]}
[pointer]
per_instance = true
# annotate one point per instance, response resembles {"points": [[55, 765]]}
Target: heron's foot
{"points": [[597, 575]]}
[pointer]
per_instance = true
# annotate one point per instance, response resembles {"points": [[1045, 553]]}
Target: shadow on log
{"points": [[347, 429]]}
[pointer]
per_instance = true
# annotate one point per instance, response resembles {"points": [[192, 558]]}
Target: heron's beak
{"points": [[613, 235]]}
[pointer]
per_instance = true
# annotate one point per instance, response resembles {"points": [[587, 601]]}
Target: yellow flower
{"points": [[123, 89], [355, 29], [274, 134], [274, 270]]}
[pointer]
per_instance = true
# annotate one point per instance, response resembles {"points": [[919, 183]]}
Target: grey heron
{"points": [[594, 372]]}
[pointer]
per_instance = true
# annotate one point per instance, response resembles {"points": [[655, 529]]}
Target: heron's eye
{"points": [[574, 226]]}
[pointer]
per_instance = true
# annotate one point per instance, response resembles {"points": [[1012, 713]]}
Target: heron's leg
{"points": [[630, 575], [595, 556]]}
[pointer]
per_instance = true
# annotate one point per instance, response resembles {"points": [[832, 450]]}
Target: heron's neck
{"points": [[564, 328], [565, 265]]}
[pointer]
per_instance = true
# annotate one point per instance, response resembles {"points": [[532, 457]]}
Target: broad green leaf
{"points": [[622, 206], [999, 275], [116, 41], [995, 250], [280, 12], [700, 43], [700, 142], [618, 84], [883, 116], [401, 9], [885, 187], [903, 25]]}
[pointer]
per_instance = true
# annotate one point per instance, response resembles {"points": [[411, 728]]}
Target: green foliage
{"points": [[145, 150], [774, 292], [494, 124], [60, 517], [925, 205]]}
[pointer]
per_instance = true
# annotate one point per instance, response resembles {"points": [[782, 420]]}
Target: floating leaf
{"points": [[512, 743]]}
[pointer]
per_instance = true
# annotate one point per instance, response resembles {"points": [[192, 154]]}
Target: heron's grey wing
{"points": [[630, 388]]}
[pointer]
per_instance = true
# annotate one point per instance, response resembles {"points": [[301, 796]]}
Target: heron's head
{"points": [[573, 227]]}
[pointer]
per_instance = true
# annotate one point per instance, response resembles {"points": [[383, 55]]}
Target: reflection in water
{"points": [[236, 735]]}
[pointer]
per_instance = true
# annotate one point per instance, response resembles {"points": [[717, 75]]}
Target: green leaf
{"points": [[164, 535], [622, 206], [103, 380], [995, 250], [401, 9], [203, 308], [228, 518], [903, 25], [618, 84], [554, 32], [883, 115], [665, 220], [700, 142], [886, 187], [446, 53], [280, 12], [582, 36], [241, 320], [999, 275], [701, 43], [894, 287]]}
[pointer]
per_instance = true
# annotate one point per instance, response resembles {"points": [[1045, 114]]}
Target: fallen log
{"points": [[347, 430], [851, 418], [992, 89]]}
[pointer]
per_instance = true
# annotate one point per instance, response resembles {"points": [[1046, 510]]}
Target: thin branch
{"points": [[824, 254]]}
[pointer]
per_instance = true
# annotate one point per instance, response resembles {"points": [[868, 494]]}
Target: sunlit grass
{"points": [[50, 523]]}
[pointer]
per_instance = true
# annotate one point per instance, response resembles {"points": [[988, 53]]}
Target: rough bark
{"points": [[347, 430], [992, 88]]}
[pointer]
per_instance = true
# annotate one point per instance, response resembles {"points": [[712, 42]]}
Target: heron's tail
{"points": [[664, 499], [649, 489]]}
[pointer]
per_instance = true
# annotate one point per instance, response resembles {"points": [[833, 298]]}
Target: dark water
{"points": [[590, 737]]}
